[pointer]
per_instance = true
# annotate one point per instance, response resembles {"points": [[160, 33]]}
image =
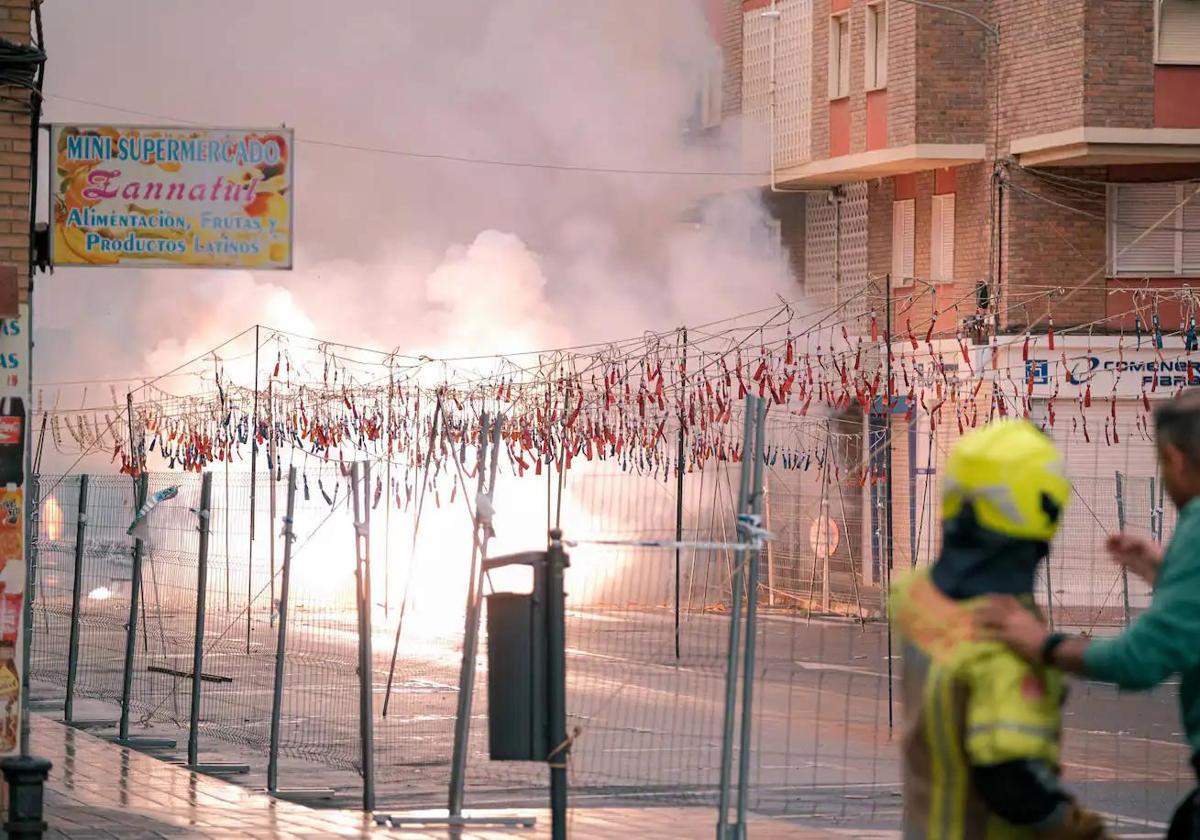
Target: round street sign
{"points": [[824, 536]]}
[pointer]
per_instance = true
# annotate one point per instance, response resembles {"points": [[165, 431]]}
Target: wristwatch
{"points": [[1050, 645]]}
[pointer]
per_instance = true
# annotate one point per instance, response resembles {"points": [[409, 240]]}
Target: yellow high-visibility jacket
{"points": [[968, 703]]}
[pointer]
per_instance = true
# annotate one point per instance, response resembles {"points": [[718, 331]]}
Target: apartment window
{"points": [[839, 56], [706, 110], [903, 241], [1171, 248], [1177, 31], [941, 246], [712, 81], [876, 52]]}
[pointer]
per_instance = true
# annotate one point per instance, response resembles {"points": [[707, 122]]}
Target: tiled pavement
{"points": [[100, 790]]}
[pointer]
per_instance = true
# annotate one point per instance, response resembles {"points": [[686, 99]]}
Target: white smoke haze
{"points": [[432, 256], [424, 256]]}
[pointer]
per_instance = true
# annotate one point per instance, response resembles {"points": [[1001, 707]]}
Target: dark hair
{"points": [[1177, 423]]}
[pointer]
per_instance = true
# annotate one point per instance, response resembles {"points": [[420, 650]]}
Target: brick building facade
{"points": [[1023, 110], [16, 153], [1000, 165]]}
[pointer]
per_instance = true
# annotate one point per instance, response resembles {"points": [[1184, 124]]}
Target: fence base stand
{"points": [[92, 724], [301, 793], [474, 819], [26, 778], [143, 743], [214, 768], [55, 704]]}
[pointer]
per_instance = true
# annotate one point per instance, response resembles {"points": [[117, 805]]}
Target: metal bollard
{"points": [[26, 778]]}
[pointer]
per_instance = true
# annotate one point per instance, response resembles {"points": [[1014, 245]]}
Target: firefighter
{"points": [[981, 726]]}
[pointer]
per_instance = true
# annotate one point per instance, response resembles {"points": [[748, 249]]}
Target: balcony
{"points": [[880, 163], [1103, 146]]}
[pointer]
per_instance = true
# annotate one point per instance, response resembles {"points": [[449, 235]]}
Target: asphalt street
{"points": [[649, 724]]}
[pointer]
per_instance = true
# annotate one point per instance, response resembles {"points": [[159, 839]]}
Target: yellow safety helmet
{"points": [[1012, 475]]}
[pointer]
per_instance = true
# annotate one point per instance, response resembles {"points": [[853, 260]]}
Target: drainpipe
{"points": [[774, 14]]}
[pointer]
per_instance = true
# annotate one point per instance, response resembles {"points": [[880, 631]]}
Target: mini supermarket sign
{"points": [[172, 197]]}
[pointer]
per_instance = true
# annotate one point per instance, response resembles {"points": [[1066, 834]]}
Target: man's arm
{"points": [[1024, 632], [1068, 656], [1160, 642]]}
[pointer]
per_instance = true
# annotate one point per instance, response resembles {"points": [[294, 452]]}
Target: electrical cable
{"points": [[438, 156]]}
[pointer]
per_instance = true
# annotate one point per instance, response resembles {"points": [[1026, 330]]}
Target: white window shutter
{"points": [[903, 232], [881, 45], [714, 80], [948, 237], [935, 240], [835, 57], [1178, 32], [942, 241], [1136, 208], [870, 54], [910, 238], [1191, 229], [875, 54], [844, 56]]}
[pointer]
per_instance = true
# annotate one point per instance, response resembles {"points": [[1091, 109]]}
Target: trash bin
{"points": [[518, 722]]}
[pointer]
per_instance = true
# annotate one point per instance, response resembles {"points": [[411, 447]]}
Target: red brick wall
{"points": [[15, 154], [902, 78], [972, 234], [880, 195], [789, 210], [1042, 59], [819, 131], [955, 301], [858, 76], [1064, 64], [1047, 246], [930, 54], [1119, 67], [951, 54]]}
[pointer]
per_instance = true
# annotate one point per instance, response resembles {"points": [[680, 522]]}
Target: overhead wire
{"points": [[449, 158]]}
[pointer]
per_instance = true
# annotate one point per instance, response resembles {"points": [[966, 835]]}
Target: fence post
{"points": [[1121, 527], [201, 604], [770, 554], [281, 641], [76, 600], [1049, 595], [31, 512], [680, 458], [135, 592], [1155, 514], [756, 508], [556, 562], [735, 628], [362, 573], [466, 681]]}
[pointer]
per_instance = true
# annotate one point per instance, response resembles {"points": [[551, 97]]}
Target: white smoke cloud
{"points": [[426, 256]]}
